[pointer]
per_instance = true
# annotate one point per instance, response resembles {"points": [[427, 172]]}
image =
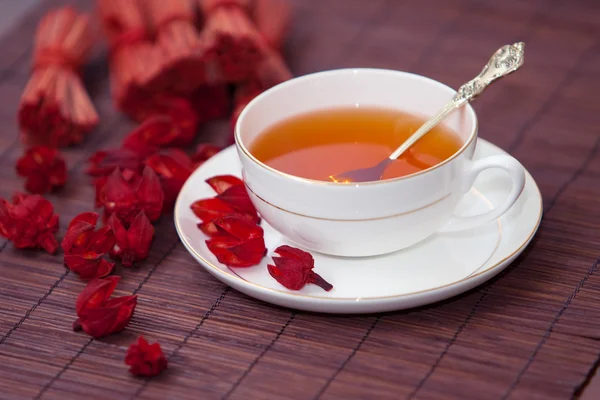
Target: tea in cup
{"points": [[295, 137]]}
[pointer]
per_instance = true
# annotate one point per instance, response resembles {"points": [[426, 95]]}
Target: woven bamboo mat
{"points": [[533, 332]]}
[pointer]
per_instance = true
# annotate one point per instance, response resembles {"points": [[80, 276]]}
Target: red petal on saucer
{"points": [[221, 183], [237, 197], [240, 242], [210, 209]]}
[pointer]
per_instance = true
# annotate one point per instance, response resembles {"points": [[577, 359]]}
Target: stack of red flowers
{"points": [[55, 109], [161, 64]]}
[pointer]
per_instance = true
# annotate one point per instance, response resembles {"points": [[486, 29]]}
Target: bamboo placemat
{"points": [[533, 332]]}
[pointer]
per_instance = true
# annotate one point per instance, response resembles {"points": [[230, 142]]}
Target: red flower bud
{"points": [[239, 241]]}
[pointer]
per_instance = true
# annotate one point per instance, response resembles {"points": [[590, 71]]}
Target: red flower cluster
{"points": [[99, 315], [231, 221], [44, 169], [85, 247], [145, 359], [148, 146], [236, 239], [29, 222]]}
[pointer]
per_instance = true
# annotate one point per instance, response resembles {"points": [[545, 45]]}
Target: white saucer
{"points": [[438, 268]]}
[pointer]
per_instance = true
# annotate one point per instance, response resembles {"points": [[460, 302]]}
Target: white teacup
{"points": [[369, 218]]}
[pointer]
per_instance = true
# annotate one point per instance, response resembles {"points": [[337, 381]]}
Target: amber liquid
{"points": [[320, 144]]}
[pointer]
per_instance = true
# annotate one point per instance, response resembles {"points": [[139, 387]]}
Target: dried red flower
{"points": [[99, 315], [238, 243], [44, 168], [103, 163], [154, 133], [294, 269], [132, 244], [127, 198], [145, 359], [204, 151], [85, 247], [29, 222], [173, 167]]}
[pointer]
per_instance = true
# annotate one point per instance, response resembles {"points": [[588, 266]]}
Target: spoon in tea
{"points": [[504, 62]]}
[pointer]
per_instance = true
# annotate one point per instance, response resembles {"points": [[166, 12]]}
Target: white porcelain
{"points": [[375, 217], [437, 268]]}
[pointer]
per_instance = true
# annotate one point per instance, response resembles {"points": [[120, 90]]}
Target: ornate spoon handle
{"points": [[504, 62]]}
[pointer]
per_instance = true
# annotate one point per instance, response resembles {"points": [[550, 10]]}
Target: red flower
{"points": [[29, 222], [153, 134], [132, 244], [294, 269], [145, 359], [127, 198], [173, 167], [239, 242], [103, 163], [98, 314], [84, 247], [44, 169]]}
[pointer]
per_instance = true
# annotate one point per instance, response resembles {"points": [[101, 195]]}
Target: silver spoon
{"points": [[504, 62]]}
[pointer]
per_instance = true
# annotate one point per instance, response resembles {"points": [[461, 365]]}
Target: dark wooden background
{"points": [[531, 333]]}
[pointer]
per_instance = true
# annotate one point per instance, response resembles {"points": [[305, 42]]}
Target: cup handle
{"points": [[517, 174]]}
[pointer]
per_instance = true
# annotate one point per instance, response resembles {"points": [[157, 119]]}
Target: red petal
{"points": [[210, 209], [140, 235], [237, 197], [96, 293], [209, 229], [303, 257], [150, 194], [48, 242], [221, 183], [239, 227], [231, 252], [77, 232], [120, 233]]}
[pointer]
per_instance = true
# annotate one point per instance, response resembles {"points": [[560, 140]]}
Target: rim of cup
{"points": [[301, 79]]}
